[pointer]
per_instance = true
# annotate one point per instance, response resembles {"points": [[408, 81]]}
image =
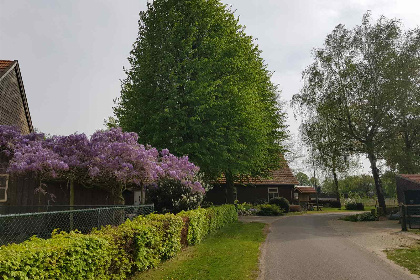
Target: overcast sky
{"points": [[72, 53]]}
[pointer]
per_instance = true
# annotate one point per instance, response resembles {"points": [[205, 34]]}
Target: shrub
{"points": [[355, 206], [221, 216], [246, 209], [111, 252], [201, 221], [197, 225], [367, 216], [172, 196], [269, 210], [63, 256], [281, 202], [295, 208], [136, 243], [335, 204]]}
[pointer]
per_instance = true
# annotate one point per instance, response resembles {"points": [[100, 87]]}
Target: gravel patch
{"points": [[376, 236]]}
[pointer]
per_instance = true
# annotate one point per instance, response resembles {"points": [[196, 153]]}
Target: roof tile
{"points": [[305, 189], [281, 176], [411, 177]]}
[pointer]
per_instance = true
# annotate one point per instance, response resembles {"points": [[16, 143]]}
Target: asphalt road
{"points": [[305, 247]]}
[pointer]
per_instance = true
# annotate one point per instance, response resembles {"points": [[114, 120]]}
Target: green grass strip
{"points": [[408, 258], [231, 253]]}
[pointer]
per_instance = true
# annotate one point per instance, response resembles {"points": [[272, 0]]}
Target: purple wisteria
{"points": [[111, 159]]}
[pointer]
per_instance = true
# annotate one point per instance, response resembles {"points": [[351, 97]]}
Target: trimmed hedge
{"points": [[64, 256], [355, 206], [203, 221], [111, 252]]}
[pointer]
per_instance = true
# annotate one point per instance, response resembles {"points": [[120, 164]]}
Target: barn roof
{"points": [[415, 178], [305, 189], [5, 67], [281, 176]]}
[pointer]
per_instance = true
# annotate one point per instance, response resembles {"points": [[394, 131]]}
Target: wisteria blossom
{"points": [[111, 159], [34, 158]]}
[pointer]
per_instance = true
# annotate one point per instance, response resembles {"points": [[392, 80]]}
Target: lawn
{"points": [[231, 253], [408, 258], [329, 210]]}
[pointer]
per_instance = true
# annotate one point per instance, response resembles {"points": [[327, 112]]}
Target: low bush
{"points": [[201, 222], [197, 225], [355, 206], [295, 208], [246, 209], [63, 256], [269, 210], [111, 252], [335, 204], [367, 216], [281, 202]]}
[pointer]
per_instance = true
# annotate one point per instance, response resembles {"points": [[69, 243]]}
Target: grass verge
{"points": [[408, 258], [328, 210], [231, 253]]}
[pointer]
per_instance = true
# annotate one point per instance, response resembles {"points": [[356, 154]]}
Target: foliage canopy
{"points": [[358, 83], [198, 86]]}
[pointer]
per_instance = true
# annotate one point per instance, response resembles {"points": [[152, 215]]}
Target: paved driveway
{"points": [[308, 247]]}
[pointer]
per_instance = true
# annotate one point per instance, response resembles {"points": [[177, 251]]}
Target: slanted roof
{"points": [[281, 176], [5, 67], [415, 178], [305, 189]]}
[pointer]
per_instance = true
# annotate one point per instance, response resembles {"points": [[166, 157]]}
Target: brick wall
{"points": [[12, 111]]}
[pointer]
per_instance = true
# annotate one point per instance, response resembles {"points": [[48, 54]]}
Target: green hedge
{"points": [[111, 252], [201, 222], [64, 256]]}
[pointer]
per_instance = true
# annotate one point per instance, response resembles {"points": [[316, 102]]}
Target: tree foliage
{"points": [[198, 86], [303, 179], [356, 83]]}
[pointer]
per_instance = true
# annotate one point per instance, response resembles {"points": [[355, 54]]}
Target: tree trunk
{"points": [[118, 196], [143, 194], [378, 183], [71, 203], [229, 188], [337, 192]]}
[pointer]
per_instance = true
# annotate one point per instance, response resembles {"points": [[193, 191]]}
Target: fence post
{"points": [[404, 217], [99, 215]]}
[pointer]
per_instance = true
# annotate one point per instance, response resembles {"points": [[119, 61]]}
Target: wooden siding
{"points": [[250, 193]]}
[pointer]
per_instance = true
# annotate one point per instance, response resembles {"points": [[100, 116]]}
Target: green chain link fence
{"points": [[16, 228]]}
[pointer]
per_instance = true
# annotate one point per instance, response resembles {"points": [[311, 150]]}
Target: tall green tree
{"points": [[198, 86], [328, 150], [403, 150], [353, 83], [303, 179]]}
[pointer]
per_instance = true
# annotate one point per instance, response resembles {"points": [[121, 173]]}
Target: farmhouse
{"points": [[279, 183]]}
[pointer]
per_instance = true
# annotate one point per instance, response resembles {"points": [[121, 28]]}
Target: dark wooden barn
{"points": [[279, 183], [408, 188]]}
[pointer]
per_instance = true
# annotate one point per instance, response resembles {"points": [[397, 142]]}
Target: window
{"points": [[272, 193], [4, 180]]}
